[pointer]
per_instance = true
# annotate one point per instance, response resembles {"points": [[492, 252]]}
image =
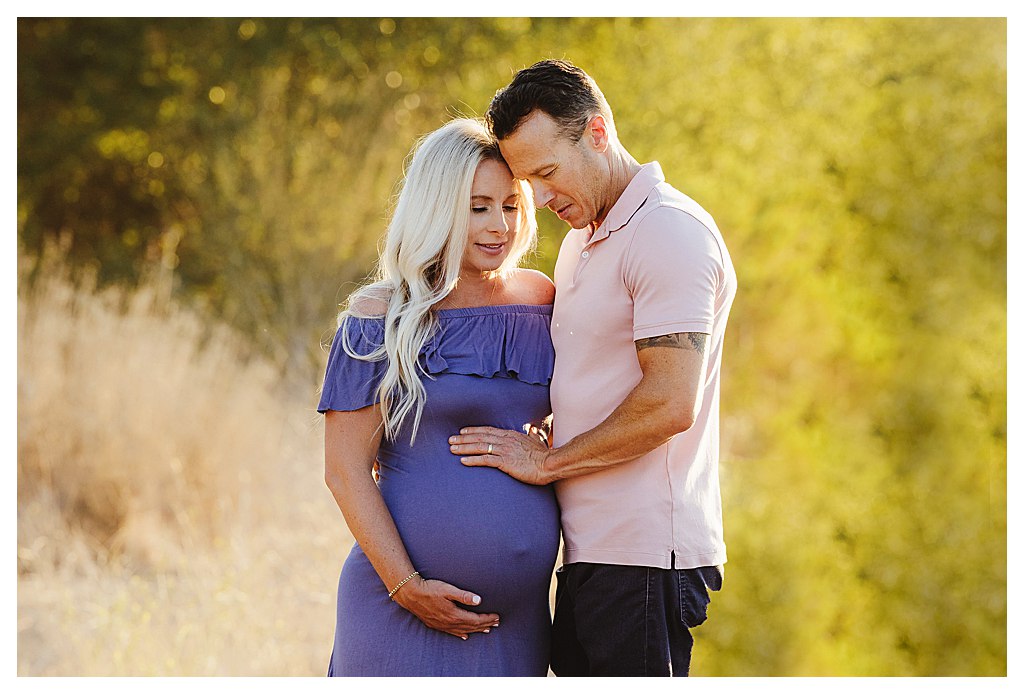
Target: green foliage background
{"points": [[857, 168]]}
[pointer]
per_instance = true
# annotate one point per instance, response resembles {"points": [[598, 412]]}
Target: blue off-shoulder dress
{"points": [[473, 527]]}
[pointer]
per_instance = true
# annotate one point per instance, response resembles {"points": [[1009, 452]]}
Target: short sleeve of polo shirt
{"points": [[673, 270]]}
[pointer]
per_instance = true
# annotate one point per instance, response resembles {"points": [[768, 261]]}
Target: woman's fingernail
{"points": [[476, 599], [487, 631]]}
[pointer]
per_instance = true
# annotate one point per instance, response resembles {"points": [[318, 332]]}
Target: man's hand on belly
{"points": [[512, 452]]}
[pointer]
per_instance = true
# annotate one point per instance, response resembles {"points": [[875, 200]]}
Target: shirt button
{"points": [[586, 254]]}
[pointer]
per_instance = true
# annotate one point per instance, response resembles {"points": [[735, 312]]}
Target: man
{"points": [[644, 284]]}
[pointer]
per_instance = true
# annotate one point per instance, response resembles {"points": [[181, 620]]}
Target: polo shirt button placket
{"points": [[579, 266]]}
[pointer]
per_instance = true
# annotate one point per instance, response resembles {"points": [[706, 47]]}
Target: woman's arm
{"points": [[351, 440]]}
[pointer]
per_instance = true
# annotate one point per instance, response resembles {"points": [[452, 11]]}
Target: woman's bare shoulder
{"points": [[370, 302], [531, 287]]}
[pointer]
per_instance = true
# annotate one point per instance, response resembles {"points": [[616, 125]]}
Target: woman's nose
{"points": [[499, 221]]}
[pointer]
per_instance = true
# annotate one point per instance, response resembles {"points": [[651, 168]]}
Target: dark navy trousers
{"points": [[615, 620]]}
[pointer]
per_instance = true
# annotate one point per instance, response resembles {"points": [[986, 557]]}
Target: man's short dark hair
{"points": [[558, 88]]}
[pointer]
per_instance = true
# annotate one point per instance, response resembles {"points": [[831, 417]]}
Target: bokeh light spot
{"points": [[247, 29]]}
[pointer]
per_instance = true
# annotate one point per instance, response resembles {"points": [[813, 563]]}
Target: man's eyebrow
{"points": [[536, 172]]}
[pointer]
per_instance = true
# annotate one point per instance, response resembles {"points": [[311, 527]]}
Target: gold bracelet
{"points": [[404, 581]]}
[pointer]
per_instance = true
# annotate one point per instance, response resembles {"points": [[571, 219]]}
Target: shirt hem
{"points": [[658, 560], [669, 327]]}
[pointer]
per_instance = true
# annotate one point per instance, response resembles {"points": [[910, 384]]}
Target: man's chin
{"points": [[575, 220], [580, 222]]}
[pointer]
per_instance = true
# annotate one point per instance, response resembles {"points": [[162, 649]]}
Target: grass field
{"points": [[172, 518]]}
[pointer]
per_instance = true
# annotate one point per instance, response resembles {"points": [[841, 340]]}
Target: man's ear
{"points": [[597, 130]]}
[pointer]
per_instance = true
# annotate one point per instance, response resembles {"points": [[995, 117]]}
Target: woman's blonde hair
{"points": [[422, 257]]}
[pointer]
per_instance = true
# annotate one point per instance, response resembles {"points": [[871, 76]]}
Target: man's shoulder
{"points": [[668, 205], [671, 222]]}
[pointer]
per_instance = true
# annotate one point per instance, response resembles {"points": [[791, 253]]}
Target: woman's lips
{"points": [[491, 248]]}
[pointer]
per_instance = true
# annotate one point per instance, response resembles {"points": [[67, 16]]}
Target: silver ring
{"points": [[490, 448]]}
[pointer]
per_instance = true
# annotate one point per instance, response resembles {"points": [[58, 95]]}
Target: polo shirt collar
{"points": [[632, 198]]}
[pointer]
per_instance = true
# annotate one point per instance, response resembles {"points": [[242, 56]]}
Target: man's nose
{"points": [[542, 195]]}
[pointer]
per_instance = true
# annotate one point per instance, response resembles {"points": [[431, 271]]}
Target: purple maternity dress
{"points": [[473, 527]]}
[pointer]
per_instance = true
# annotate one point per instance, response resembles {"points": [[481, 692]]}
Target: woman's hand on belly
{"points": [[434, 603]]}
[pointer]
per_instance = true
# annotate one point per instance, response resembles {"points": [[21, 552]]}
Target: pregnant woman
{"points": [[452, 564]]}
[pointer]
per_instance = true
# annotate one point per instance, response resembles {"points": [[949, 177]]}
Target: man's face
{"points": [[568, 178]]}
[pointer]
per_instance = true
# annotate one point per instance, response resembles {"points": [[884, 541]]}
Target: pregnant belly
{"points": [[480, 530]]}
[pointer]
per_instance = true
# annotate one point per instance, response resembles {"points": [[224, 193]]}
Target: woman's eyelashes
{"points": [[507, 208]]}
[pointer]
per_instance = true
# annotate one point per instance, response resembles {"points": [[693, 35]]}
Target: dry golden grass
{"points": [[172, 518]]}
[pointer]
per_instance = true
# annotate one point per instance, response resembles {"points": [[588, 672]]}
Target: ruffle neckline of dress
{"points": [[507, 340]]}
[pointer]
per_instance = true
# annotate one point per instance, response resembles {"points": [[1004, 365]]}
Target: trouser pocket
{"points": [[693, 597]]}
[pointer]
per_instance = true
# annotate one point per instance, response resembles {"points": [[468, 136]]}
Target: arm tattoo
{"points": [[697, 341], [694, 341]]}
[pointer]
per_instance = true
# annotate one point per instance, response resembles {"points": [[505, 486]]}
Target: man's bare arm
{"points": [[664, 403]]}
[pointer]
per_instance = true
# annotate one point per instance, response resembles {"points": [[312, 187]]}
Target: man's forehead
{"points": [[523, 158], [537, 129], [532, 144]]}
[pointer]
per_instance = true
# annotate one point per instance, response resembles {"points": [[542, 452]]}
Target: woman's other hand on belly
{"points": [[435, 603]]}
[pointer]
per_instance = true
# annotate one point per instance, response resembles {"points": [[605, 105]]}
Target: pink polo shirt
{"points": [[657, 265]]}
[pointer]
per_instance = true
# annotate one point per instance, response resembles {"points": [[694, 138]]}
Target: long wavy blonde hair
{"points": [[422, 257]]}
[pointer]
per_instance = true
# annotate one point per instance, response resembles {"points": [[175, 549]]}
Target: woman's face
{"points": [[494, 208]]}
